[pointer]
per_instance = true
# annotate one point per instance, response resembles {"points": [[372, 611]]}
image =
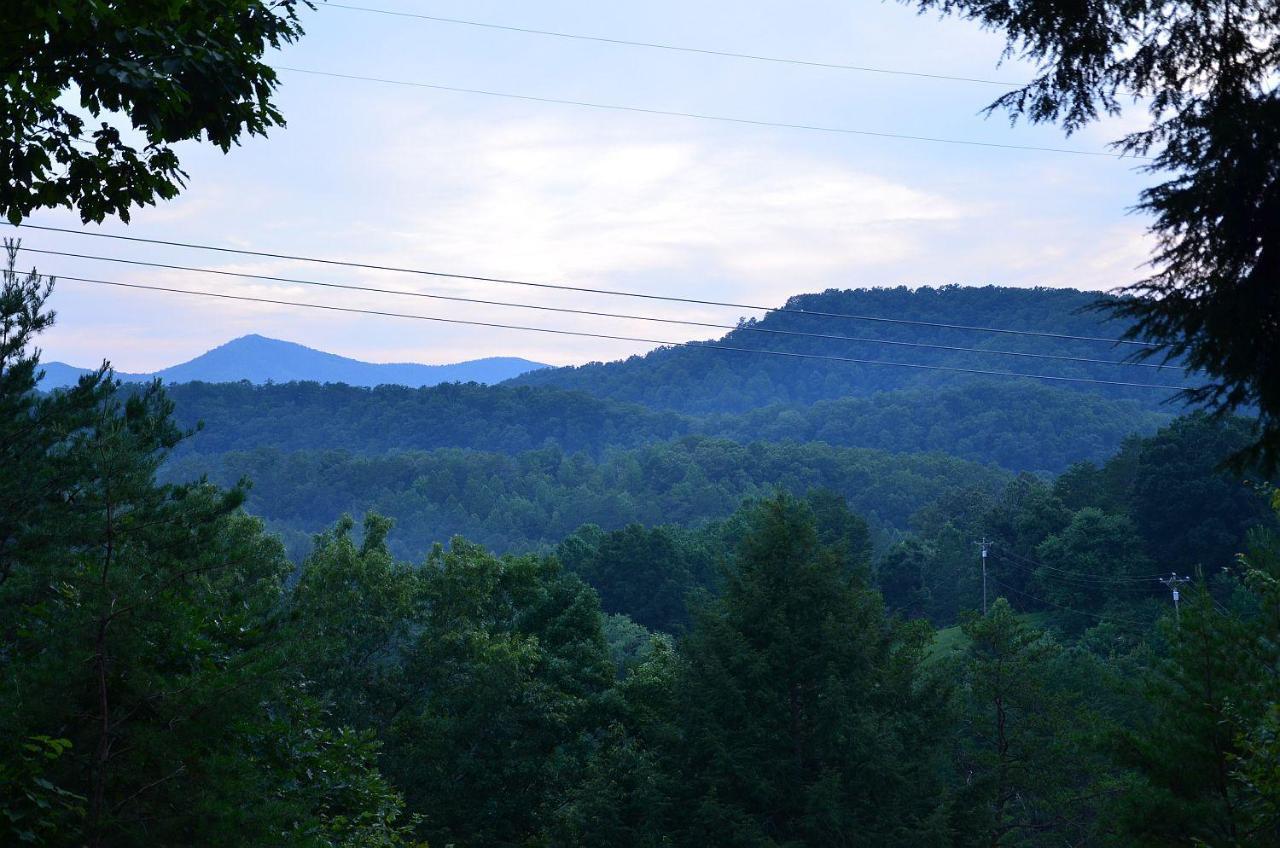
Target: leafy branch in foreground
{"points": [[178, 71]]}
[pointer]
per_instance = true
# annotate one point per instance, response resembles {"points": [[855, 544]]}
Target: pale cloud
{"points": [[543, 200]]}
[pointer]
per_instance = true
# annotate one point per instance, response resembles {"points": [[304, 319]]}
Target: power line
{"points": [[702, 116], [583, 289], [1034, 568], [1172, 582], [695, 345], [986, 549], [1136, 578], [672, 47], [1081, 579], [593, 313], [1110, 618]]}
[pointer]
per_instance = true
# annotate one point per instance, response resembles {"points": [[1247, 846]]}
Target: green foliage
{"points": [[645, 573], [1023, 752], [622, 799], [1257, 774], [630, 644], [1206, 74], [1021, 426], [33, 810], [505, 419], [1256, 770], [138, 624], [803, 717], [539, 497], [35, 431], [479, 674], [1184, 750], [1190, 512], [355, 610], [841, 530], [692, 380], [344, 800], [650, 574], [1018, 426], [509, 665], [1086, 547], [1091, 561], [1206, 752], [168, 72]]}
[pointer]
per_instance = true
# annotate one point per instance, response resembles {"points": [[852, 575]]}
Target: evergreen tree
{"points": [[1257, 765], [36, 464], [1023, 753], [804, 717], [138, 640], [1200, 699], [1205, 72]]}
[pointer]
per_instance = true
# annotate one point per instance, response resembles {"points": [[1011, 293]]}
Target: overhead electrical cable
{"points": [[1136, 578], [1110, 583], [695, 344], [671, 47], [592, 313], [1100, 617], [702, 116], [1076, 578], [586, 290]]}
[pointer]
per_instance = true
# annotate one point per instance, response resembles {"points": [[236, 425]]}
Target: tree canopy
{"points": [[1205, 71], [149, 74], [169, 676]]}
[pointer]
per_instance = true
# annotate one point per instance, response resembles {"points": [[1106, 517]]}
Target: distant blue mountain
{"points": [[260, 360]]}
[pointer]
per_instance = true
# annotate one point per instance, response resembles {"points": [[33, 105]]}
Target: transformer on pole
{"points": [[1173, 581]]}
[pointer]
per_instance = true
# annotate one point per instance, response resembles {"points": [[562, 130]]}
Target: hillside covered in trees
{"points": [[530, 615], [1020, 426], [902, 568], [535, 498], [693, 380]]}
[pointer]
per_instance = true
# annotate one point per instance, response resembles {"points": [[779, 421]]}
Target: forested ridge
{"points": [[688, 379], [1020, 426], [985, 589], [530, 616], [535, 498]]}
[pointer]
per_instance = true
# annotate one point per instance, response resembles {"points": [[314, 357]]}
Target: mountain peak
{"points": [[260, 359]]}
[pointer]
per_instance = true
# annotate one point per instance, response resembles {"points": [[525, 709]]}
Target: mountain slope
{"points": [[259, 359], [697, 379], [1019, 427], [536, 498]]}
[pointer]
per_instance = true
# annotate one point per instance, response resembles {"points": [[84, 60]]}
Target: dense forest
{"points": [[586, 623], [943, 571], [533, 499], [1020, 426], [704, 380]]}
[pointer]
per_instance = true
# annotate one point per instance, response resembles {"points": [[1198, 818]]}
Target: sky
{"points": [[487, 186]]}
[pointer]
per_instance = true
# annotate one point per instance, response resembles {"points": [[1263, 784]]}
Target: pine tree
{"points": [[1199, 698], [1256, 771], [139, 640], [1024, 762], [803, 716]]}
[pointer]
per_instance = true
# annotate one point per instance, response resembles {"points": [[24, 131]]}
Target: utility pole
{"points": [[1173, 581], [984, 545]]}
